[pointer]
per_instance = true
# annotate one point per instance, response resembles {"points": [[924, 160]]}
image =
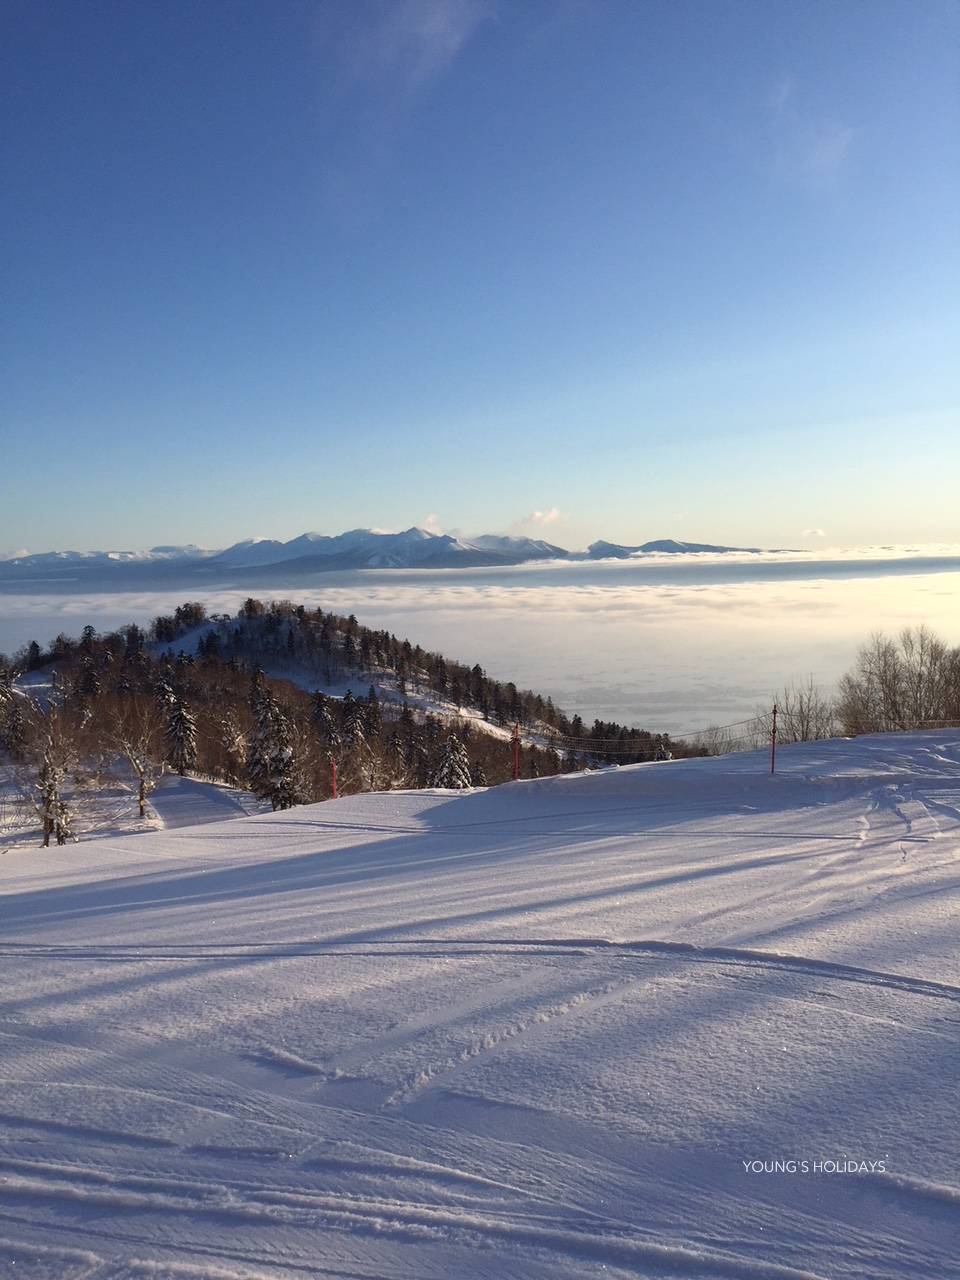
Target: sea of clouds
{"points": [[609, 644]]}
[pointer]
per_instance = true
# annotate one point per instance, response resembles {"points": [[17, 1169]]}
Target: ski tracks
{"points": [[491, 1041], [249, 1205]]}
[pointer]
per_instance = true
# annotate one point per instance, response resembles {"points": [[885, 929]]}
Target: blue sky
{"points": [[591, 269]]}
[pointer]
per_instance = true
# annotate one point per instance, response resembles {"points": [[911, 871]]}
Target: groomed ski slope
{"points": [[532, 1032]]}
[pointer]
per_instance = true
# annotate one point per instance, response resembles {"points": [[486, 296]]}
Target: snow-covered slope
{"points": [[110, 808], [310, 552], [535, 1032], [522, 548], [356, 549], [92, 559], [252, 551], [661, 546]]}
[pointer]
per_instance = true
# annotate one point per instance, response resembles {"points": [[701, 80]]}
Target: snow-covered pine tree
{"points": [[477, 776], [258, 755], [86, 686], [271, 760], [181, 735], [13, 729], [163, 692], [354, 721], [324, 722], [396, 760], [233, 743], [454, 768], [373, 717]]}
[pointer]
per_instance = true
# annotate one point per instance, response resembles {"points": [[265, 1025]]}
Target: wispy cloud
{"points": [[379, 58], [431, 523], [814, 533], [401, 45], [809, 146], [539, 519]]}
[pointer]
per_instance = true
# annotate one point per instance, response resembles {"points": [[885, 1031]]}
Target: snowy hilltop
{"points": [[675, 1020]]}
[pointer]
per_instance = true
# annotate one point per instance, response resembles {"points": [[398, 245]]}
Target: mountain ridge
{"points": [[414, 547]]}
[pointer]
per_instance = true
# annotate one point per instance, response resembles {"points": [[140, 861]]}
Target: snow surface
{"points": [[107, 806], [527, 1032]]}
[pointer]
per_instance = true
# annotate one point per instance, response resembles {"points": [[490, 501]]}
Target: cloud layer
{"points": [[670, 657]]}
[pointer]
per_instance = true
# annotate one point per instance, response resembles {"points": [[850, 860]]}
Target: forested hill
{"points": [[273, 697]]}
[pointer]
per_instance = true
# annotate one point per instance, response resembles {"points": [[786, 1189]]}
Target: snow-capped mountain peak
{"points": [[311, 552]]}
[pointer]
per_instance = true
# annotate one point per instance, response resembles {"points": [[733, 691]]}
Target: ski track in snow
{"points": [[531, 1032]]}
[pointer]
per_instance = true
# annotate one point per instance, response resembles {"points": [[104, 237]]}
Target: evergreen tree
{"points": [[12, 726], [134, 641], [324, 722], [181, 735], [13, 730], [271, 762], [165, 697], [373, 720], [454, 768], [353, 719], [209, 646], [477, 776], [396, 759], [420, 760], [256, 688], [87, 683]]}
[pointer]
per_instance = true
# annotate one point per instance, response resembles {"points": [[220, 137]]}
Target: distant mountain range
{"points": [[668, 546], [414, 548]]}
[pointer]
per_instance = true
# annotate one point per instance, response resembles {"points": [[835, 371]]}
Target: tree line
{"points": [[223, 697], [896, 684], [245, 700]]}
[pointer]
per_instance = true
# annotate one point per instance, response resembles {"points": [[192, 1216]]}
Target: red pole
{"points": [[773, 742], [516, 751], [333, 776]]}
